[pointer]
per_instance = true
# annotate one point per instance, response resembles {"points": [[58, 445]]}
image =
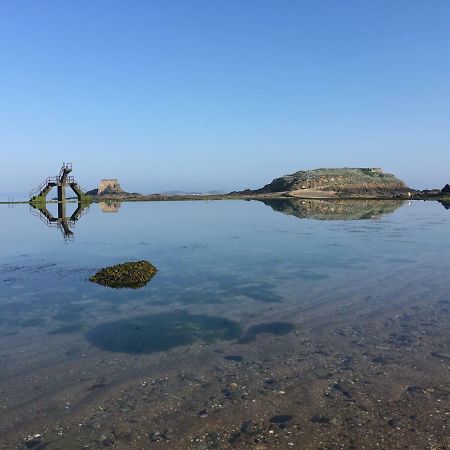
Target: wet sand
{"points": [[348, 376]]}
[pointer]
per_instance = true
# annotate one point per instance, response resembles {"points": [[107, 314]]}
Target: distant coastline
{"points": [[330, 183]]}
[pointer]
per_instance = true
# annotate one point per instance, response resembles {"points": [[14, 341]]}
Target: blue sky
{"points": [[201, 95]]}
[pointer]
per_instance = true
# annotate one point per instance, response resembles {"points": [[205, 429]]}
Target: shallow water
{"points": [[259, 282]]}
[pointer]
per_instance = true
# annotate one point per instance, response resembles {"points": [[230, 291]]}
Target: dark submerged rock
{"points": [[236, 358], [394, 423], [321, 419], [248, 428], [156, 436], [134, 274], [234, 437], [35, 443], [275, 328], [415, 389], [161, 332], [281, 419]]}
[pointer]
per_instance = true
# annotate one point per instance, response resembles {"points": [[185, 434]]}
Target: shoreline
{"points": [[273, 196]]}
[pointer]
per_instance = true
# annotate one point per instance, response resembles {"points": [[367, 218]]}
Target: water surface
{"points": [[285, 288]]}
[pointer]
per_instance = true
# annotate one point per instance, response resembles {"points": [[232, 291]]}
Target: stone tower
{"points": [[109, 186]]}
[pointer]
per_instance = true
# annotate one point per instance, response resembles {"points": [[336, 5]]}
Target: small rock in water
{"points": [[35, 443], [322, 373], [234, 437], [379, 360], [248, 427], [415, 389], [283, 418], [394, 423], [321, 419], [214, 437], [155, 436], [203, 413], [237, 358], [133, 274]]}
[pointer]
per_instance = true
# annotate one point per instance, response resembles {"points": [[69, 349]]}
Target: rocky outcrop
{"points": [[110, 189], [134, 274], [446, 189], [345, 181]]}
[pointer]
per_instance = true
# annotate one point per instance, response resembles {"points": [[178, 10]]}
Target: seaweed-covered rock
{"points": [[134, 274]]}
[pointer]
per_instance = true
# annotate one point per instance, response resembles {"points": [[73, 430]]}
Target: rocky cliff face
{"points": [[341, 181]]}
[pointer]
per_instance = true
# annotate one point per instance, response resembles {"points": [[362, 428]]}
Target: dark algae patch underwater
{"points": [[130, 274], [274, 328], [161, 332]]}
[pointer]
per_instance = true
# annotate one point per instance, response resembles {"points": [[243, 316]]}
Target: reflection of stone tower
{"points": [[109, 207], [109, 186]]}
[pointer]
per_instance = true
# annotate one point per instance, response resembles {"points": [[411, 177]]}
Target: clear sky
{"points": [[222, 94]]}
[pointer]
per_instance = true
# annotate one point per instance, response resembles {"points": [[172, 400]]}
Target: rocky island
{"points": [[330, 183], [109, 188]]}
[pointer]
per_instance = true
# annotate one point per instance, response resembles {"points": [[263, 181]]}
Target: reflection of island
{"points": [[334, 209], [445, 203], [63, 222], [109, 206]]}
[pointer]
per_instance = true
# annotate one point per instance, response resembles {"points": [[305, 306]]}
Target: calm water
{"points": [[230, 272], [232, 257]]}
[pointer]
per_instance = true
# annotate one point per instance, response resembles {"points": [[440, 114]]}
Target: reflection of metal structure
{"points": [[62, 222], [38, 201]]}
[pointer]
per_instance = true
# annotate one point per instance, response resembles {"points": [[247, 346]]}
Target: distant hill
{"points": [[342, 181]]}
